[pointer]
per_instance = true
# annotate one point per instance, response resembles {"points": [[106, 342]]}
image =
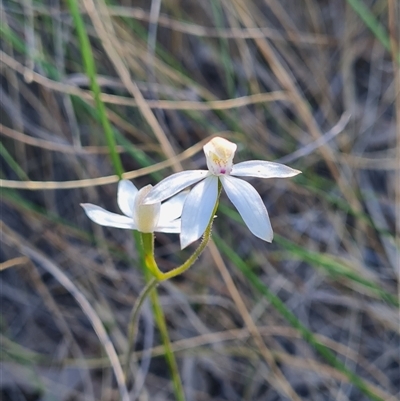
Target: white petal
{"points": [[172, 208], [126, 197], [106, 218], [174, 184], [250, 206], [198, 209], [263, 169], [170, 227]]}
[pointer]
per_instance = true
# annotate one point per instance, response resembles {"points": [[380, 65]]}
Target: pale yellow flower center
{"points": [[219, 154], [145, 216]]}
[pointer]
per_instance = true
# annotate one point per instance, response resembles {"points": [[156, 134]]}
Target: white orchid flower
{"points": [[200, 202], [137, 216]]}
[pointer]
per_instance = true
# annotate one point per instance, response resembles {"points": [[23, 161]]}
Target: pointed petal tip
{"points": [[88, 207], [126, 195], [107, 219], [249, 205], [268, 237], [186, 241]]}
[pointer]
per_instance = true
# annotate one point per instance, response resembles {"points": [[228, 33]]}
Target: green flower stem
{"points": [[158, 276], [148, 246], [133, 321], [147, 257], [159, 317], [206, 237], [169, 354], [149, 261], [151, 264]]}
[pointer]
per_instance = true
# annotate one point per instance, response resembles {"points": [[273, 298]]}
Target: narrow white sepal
{"points": [[126, 197], [174, 184], [106, 218], [198, 209], [263, 169], [249, 205]]}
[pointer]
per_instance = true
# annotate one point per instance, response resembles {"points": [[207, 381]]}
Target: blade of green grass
{"points": [[79, 103], [324, 188], [90, 69], [216, 8], [14, 353], [91, 72], [373, 24], [19, 45], [12, 163], [329, 265], [334, 268], [158, 312], [49, 217], [308, 336], [138, 155], [166, 57], [101, 114]]}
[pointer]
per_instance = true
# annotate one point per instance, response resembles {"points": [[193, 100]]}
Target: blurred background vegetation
{"points": [[91, 89]]}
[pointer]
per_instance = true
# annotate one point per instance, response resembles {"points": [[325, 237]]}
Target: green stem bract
{"points": [[90, 68]]}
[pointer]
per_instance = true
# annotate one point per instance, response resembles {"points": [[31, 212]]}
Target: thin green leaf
{"points": [[325, 262], [12, 163], [372, 23], [90, 69], [326, 353]]}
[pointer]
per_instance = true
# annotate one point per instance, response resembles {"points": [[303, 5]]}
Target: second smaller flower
{"points": [[138, 216]]}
